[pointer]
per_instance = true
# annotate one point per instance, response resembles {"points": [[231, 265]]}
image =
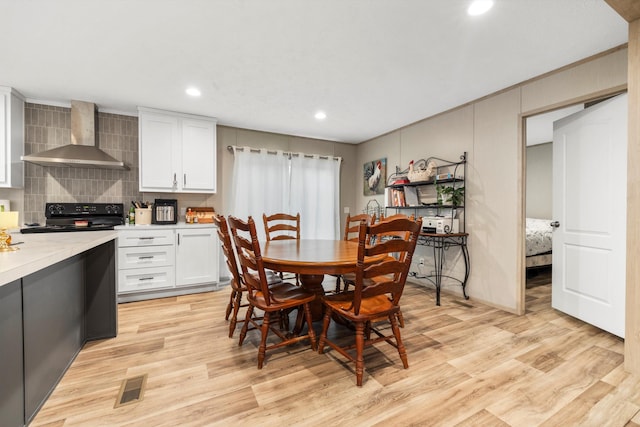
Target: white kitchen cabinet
{"points": [[177, 152], [11, 138], [146, 260], [157, 261], [196, 256]]}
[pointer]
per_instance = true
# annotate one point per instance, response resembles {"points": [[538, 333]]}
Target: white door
{"points": [[589, 208]]}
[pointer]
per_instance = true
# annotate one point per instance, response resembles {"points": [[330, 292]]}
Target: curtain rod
{"points": [[286, 153]]}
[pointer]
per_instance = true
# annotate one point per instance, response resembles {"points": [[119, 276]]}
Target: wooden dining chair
{"points": [[281, 226], [351, 230], [236, 282], [379, 300], [271, 300]]}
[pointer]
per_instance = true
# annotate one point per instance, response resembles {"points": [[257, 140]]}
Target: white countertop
{"points": [[40, 250], [163, 226]]}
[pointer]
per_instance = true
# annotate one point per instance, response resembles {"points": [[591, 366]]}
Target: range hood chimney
{"points": [[83, 151]]}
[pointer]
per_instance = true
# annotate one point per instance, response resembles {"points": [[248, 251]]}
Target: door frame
{"points": [[522, 148]]}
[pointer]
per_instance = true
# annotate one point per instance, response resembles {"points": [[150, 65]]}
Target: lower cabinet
{"points": [[196, 253], [160, 261]]}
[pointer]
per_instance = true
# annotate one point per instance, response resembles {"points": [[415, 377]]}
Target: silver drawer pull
{"points": [[146, 257], [145, 278], [146, 238]]}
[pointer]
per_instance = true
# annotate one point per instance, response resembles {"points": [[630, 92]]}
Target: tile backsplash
{"points": [[48, 127]]}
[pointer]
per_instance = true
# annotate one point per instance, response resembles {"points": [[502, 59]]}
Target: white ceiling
{"points": [[372, 65]]}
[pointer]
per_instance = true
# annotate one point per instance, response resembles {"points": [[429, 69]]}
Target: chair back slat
{"points": [[281, 226], [389, 275], [249, 256]]}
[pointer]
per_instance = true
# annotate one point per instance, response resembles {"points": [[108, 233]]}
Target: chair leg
{"points": [[234, 317], [245, 326], [262, 349], [325, 327], [230, 305], [400, 319], [337, 291], [396, 333], [310, 331], [300, 316], [360, 352]]}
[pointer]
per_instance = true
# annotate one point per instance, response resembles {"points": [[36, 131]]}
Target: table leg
{"points": [[313, 283]]}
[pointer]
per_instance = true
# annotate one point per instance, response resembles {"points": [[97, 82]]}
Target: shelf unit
{"points": [[441, 234], [427, 203]]}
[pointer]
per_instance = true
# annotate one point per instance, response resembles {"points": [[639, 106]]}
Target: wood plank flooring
{"points": [[469, 365]]}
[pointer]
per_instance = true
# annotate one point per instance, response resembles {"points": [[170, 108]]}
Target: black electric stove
{"points": [[79, 217]]}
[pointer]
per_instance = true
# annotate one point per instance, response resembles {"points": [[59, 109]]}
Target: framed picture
{"points": [[375, 177]]}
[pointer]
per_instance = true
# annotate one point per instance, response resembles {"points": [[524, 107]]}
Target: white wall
{"points": [[539, 181]]}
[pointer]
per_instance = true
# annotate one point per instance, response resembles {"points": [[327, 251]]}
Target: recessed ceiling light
{"points": [[321, 115], [478, 7], [193, 91]]}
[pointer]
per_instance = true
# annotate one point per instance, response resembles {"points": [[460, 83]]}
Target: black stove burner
{"points": [[79, 217]]}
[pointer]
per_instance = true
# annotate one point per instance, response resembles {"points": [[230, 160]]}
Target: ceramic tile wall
{"points": [[48, 127]]}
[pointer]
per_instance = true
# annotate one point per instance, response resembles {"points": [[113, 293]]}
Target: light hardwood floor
{"points": [[469, 365]]}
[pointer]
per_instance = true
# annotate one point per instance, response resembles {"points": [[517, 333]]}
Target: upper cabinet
{"points": [[177, 152], [11, 138]]}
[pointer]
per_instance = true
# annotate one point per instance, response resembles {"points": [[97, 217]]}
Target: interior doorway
{"points": [[538, 143]]}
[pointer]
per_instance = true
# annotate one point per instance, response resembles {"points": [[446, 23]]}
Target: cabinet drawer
{"points": [[146, 256], [141, 279], [145, 237]]}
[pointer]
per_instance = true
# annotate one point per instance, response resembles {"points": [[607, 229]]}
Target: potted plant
{"points": [[453, 196]]}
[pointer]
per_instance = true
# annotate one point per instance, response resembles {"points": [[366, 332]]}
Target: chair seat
{"points": [[377, 306], [284, 296]]}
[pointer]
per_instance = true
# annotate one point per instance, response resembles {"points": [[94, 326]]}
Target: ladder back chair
{"points": [[351, 230], [379, 299], [236, 282], [281, 226], [272, 300]]}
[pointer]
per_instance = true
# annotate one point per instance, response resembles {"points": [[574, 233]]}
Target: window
{"points": [[274, 181]]}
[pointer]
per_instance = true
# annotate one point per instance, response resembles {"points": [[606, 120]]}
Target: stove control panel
{"points": [[56, 210]]}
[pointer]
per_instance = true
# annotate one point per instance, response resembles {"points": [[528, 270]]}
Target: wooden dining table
{"points": [[311, 260]]}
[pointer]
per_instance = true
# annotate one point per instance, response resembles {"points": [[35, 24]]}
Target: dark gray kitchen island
{"points": [[56, 293]]}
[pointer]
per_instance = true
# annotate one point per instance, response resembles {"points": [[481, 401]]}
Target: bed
{"points": [[538, 242]]}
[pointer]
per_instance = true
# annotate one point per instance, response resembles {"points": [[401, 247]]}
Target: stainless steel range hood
{"points": [[83, 151]]}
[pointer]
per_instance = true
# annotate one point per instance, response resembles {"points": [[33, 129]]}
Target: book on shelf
{"points": [[411, 196], [396, 198]]}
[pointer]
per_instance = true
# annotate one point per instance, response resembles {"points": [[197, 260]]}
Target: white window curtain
{"points": [[315, 193], [264, 182]]}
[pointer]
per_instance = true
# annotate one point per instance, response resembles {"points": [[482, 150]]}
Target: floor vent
{"points": [[131, 391]]}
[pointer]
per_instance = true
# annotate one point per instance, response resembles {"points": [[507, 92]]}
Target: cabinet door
{"points": [[198, 155], [196, 256], [158, 142], [4, 147]]}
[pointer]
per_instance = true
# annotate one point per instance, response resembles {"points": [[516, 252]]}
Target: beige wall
{"points": [[490, 130], [539, 180]]}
